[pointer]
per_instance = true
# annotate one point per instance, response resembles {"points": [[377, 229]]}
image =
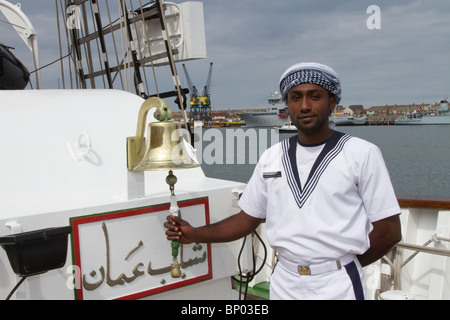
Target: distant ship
{"points": [[429, 117], [275, 115], [286, 128], [340, 119]]}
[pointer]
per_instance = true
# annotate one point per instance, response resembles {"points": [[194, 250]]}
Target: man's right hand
{"points": [[229, 229], [178, 230]]}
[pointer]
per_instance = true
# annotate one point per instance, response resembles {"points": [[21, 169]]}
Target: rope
{"points": [[119, 72], [175, 246]]}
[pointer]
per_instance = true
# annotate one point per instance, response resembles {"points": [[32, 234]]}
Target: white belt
{"points": [[317, 268]]}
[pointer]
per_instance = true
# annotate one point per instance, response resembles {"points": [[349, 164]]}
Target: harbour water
{"points": [[417, 157]]}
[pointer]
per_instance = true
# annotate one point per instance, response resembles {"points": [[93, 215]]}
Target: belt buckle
{"points": [[304, 270]]}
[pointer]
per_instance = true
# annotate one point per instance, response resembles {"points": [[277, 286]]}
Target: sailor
{"points": [[326, 198]]}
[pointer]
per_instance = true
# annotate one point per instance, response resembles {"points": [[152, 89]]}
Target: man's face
{"points": [[309, 107]]}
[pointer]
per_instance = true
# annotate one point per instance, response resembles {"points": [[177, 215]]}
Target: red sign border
{"points": [[75, 238]]}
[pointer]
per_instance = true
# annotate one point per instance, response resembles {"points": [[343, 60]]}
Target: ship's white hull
{"points": [[77, 172]]}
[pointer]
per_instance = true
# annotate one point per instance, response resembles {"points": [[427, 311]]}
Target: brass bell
{"points": [[165, 148]]}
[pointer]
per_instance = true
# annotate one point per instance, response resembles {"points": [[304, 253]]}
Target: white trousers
{"points": [[346, 283]]}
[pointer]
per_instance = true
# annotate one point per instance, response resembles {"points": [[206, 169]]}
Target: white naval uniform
{"points": [[318, 202]]}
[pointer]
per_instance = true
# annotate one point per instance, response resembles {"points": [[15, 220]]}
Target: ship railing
{"points": [[427, 221], [410, 270]]}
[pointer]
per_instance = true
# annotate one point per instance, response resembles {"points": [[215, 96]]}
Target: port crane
{"points": [[205, 99], [195, 99], [200, 106]]}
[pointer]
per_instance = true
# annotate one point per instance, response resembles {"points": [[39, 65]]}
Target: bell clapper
{"points": [[171, 179]]}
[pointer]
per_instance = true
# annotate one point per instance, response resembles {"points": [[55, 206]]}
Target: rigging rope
{"points": [[173, 68]]}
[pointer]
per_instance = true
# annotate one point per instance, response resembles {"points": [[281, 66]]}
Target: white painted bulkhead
{"points": [[426, 275], [64, 155], [418, 271]]}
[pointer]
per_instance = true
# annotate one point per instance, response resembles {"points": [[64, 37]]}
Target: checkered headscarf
{"points": [[314, 73]]}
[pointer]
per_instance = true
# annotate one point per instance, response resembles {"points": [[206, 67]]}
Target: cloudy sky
{"points": [[252, 42]]}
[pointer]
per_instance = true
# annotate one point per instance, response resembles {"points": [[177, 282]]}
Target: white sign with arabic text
{"points": [[125, 254]]}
